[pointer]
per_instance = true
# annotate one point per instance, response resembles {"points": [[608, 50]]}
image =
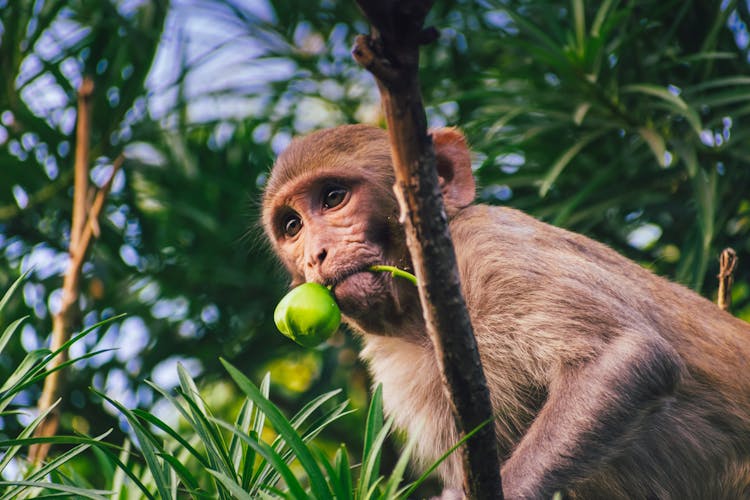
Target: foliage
{"points": [[621, 120], [209, 459], [627, 116]]}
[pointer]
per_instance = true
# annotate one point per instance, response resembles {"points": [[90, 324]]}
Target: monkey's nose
{"points": [[318, 258]]}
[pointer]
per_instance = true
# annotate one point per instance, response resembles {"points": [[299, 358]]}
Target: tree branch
{"points": [[391, 54], [84, 227], [727, 265]]}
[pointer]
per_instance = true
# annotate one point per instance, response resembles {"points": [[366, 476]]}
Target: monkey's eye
{"points": [[292, 225], [333, 196]]}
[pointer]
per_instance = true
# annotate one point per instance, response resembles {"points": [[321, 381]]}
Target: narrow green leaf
{"points": [[301, 416], [234, 488], [728, 81], [677, 104], [580, 113], [9, 331], [336, 483], [63, 458], [405, 493], [11, 290], [153, 420], [397, 475], [601, 16], [341, 461], [579, 24], [182, 472], [10, 451], [124, 470], [242, 422], [31, 361], [79, 336], [248, 464], [373, 426], [216, 448], [656, 142], [311, 433], [263, 449], [370, 473], [281, 424], [71, 490], [150, 447], [560, 164]]}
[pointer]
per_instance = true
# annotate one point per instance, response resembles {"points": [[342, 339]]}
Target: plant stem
{"points": [[396, 272]]}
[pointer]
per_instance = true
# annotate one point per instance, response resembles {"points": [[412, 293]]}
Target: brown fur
{"points": [[607, 380]]}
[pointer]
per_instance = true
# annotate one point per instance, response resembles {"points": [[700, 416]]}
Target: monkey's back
{"points": [[550, 297]]}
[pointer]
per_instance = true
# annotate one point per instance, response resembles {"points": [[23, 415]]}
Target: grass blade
{"points": [[564, 159], [148, 417], [150, 447], [370, 474], [408, 491], [9, 331], [263, 449], [341, 461], [283, 427], [69, 490], [12, 290], [234, 488]]}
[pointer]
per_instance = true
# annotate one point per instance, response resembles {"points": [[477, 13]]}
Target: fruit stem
{"points": [[395, 272]]}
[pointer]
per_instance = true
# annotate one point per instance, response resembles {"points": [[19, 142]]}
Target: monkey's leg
{"points": [[590, 408]]}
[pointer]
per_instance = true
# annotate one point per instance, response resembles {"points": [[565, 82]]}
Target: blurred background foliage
{"points": [[621, 120]]}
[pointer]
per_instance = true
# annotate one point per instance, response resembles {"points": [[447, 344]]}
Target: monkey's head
{"points": [[330, 213]]}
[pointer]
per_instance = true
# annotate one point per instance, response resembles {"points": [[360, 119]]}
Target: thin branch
{"points": [[727, 266], [63, 322], [81, 166], [391, 54]]}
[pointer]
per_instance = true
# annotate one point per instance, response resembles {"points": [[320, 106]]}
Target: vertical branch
{"points": [[391, 54], [83, 228], [81, 165], [727, 265]]}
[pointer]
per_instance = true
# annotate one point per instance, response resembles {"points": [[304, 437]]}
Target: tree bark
{"points": [[84, 228], [727, 265], [391, 54]]}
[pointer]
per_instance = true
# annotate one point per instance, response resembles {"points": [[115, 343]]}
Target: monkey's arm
{"points": [[589, 410]]}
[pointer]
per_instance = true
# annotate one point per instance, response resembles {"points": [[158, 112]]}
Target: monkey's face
{"points": [[329, 227]]}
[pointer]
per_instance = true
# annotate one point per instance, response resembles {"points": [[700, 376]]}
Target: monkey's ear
{"points": [[454, 168]]}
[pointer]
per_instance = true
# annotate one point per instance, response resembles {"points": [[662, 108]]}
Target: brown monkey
{"points": [[607, 381]]}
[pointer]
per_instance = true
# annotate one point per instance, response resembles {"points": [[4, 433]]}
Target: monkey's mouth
{"points": [[359, 289]]}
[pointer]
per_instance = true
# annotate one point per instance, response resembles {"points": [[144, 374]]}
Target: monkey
{"points": [[606, 380]]}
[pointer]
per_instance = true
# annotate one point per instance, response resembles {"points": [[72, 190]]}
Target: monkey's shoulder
{"points": [[523, 240]]}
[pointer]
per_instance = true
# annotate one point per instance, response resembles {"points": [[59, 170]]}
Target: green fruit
{"points": [[308, 314]]}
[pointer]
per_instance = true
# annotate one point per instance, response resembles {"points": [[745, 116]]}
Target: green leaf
{"points": [[657, 144], [397, 475], [676, 103], [579, 25], [283, 427], [182, 472], [370, 473], [29, 363], [341, 461], [150, 447], [560, 164], [10, 291], [9, 331], [234, 488], [70, 490], [406, 492], [9, 451], [601, 16], [153, 420], [263, 449]]}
